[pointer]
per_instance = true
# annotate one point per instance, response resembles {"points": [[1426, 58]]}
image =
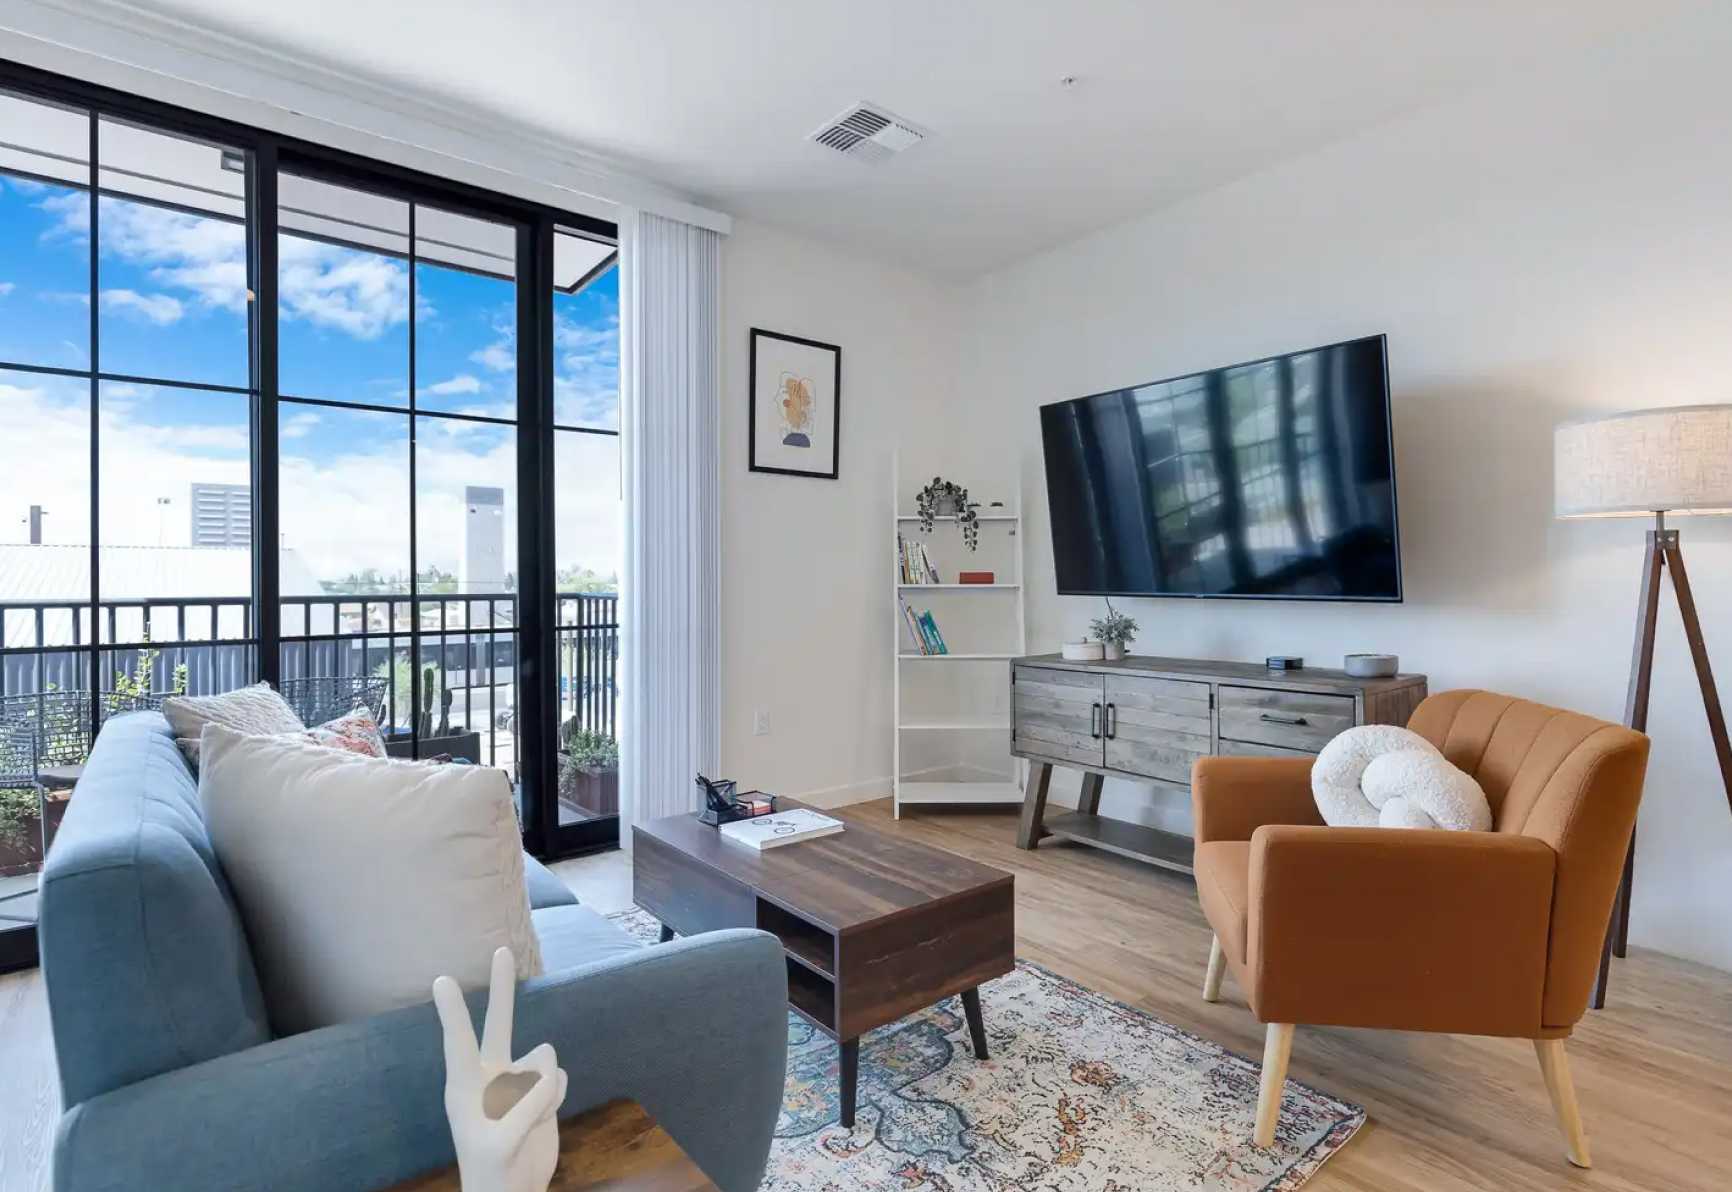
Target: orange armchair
{"points": [[1484, 933]]}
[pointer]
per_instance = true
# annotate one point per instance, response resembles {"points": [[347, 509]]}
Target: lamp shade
{"points": [[1677, 459]]}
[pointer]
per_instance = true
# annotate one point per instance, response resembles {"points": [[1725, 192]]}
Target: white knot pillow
{"points": [[1379, 775]]}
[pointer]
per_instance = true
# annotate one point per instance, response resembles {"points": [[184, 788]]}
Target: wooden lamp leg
{"points": [[1555, 1067], [1217, 966], [1663, 552], [1699, 655], [1636, 716], [1277, 1050]]}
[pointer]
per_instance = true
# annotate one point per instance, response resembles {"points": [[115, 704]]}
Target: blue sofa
{"points": [[171, 1076]]}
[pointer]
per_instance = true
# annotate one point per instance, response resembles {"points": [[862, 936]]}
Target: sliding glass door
{"points": [[588, 537], [272, 412]]}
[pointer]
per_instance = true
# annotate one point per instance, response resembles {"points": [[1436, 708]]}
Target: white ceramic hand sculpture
{"points": [[504, 1114]]}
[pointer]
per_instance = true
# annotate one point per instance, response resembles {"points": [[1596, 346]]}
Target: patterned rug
{"points": [[1081, 1092]]}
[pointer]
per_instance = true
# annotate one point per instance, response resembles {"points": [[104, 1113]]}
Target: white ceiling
{"points": [[716, 97]]}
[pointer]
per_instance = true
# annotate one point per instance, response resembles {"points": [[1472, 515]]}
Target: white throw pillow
{"points": [[1381, 775], [1414, 788], [1336, 772], [256, 709], [361, 879]]}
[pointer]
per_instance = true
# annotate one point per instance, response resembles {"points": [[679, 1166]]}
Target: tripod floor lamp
{"points": [[1648, 463]]}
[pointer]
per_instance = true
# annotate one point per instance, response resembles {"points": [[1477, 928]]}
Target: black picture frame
{"points": [[835, 352]]}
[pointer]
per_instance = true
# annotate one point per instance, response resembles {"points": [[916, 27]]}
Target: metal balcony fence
{"points": [[464, 675]]}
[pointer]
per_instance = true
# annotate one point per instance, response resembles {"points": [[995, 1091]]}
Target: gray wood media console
{"points": [[1149, 719]]}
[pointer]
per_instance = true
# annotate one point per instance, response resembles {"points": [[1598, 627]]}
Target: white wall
{"points": [[1559, 245], [806, 563]]}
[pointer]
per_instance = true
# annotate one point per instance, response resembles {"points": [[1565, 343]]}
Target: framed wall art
{"points": [[794, 421]]}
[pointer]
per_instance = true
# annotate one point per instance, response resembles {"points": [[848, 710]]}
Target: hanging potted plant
{"points": [[942, 498], [1114, 632]]}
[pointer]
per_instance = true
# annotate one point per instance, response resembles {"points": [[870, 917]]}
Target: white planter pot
{"points": [[1113, 651]]}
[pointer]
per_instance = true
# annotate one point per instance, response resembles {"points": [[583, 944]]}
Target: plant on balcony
{"points": [[136, 688], [588, 769], [20, 831], [438, 735]]}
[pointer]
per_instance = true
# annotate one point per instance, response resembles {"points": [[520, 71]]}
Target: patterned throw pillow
{"points": [[353, 732]]}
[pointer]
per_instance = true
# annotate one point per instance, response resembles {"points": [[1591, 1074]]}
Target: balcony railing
{"points": [[200, 646]]}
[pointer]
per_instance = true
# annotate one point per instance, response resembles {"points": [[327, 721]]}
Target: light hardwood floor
{"points": [[1653, 1070]]}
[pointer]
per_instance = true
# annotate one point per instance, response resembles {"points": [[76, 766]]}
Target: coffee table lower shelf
{"points": [[1139, 842]]}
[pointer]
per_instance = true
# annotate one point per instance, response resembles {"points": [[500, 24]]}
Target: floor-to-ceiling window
{"points": [[270, 412]]}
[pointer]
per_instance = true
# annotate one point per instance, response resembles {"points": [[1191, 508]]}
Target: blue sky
{"points": [[172, 305]]}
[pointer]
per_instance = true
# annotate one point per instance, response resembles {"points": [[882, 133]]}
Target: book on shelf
{"points": [[913, 563], [913, 624], [782, 827], [923, 629], [933, 637]]}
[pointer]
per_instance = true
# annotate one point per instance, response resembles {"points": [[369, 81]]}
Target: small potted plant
{"points": [[588, 770], [20, 831], [941, 498], [1114, 632]]}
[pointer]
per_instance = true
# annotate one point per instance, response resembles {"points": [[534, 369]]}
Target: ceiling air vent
{"points": [[868, 133]]}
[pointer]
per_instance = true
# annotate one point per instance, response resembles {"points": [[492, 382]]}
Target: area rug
{"points": [[1081, 1093]]}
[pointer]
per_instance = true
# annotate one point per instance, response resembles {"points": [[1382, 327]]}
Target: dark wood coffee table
{"points": [[874, 928]]}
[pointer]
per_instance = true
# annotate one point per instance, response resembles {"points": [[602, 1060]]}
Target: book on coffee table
{"points": [[783, 827]]}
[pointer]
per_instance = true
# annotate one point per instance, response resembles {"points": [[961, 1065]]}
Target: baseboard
{"points": [[842, 796]]}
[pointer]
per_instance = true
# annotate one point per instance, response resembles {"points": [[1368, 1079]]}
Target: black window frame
{"points": [[272, 153]]}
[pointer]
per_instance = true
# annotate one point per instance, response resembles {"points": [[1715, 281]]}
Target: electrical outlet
{"points": [[761, 723]]}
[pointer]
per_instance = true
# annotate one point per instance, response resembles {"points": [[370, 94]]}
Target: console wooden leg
{"points": [[1089, 802], [1277, 1048], [667, 933], [1217, 966], [1555, 1067], [1029, 830], [850, 1080], [976, 1025]]}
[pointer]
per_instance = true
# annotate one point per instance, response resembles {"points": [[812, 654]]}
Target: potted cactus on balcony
{"points": [[588, 769]]}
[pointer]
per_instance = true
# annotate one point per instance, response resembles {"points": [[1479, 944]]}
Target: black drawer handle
{"points": [[1095, 721], [1112, 721], [1271, 718]]}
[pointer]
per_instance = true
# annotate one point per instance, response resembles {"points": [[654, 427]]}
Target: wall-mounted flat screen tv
{"points": [[1273, 479]]}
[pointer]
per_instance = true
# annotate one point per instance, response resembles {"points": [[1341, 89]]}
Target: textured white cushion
{"points": [[1379, 775], [256, 709], [361, 879], [1417, 788], [1336, 772]]}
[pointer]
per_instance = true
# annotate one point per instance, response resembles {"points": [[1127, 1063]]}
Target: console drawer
{"points": [[1298, 720]]}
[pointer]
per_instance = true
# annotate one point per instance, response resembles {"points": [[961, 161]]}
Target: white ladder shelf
{"points": [[915, 790]]}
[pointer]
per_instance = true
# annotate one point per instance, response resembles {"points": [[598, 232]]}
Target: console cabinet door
{"points": [[1058, 714], [1157, 727]]}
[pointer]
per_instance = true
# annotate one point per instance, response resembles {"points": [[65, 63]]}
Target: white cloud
{"points": [[298, 426], [462, 383], [345, 501], [500, 357], [359, 293], [160, 309], [586, 380], [354, 292], [6, 287]]}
